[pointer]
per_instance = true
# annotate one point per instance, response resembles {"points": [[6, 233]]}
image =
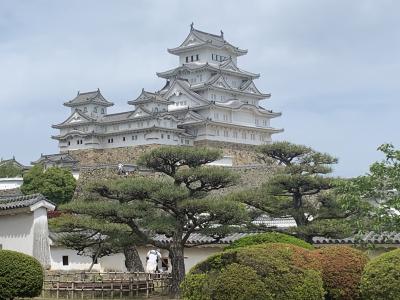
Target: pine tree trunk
{"points": [[133, 263], [298, 213], [176, 254]]}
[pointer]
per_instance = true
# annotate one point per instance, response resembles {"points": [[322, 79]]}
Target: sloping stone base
{"points": [[242, 154]]}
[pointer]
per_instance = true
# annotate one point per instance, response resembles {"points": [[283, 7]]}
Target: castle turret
{"points": [[92, 104]]}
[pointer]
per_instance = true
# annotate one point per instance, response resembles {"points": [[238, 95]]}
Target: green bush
{"points": [[239, 282], [342, 268], [269, 237], [196, 287], [20, 275], [381, 277], [286, 271]]}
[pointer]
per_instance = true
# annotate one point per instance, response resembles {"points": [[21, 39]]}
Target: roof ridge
{"points": [[212, 34], [91, 92]]}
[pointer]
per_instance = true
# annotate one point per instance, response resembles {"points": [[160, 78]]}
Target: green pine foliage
{"points": [[300, 187], [380, 280], [269, 237], [176, 202], [20, 275], [56, 184]]}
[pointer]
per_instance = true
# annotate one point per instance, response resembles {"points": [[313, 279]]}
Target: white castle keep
{"points": [[207, 98]]}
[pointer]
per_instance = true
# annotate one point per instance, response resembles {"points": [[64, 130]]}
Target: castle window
{"points": [[197, 57], [95, 109], [187, 58], [253, 136], [235, 134], [181, 141], [168, 136], [226, 133], [123, 139], [244, 135], [217, 132], [69, 143], [65, 260], [191, 58], [212, 56], [102, 110], [85, 109], [162, 135]]}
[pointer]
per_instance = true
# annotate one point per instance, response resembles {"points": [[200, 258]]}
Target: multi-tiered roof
{"points": [[206, 97]]}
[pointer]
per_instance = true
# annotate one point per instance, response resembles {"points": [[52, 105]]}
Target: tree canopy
{"points": [[175, 203], [376, 195], [56, 184], [300, 188]]}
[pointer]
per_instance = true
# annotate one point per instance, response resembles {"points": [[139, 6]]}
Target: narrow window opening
{"points": [[65, 260]]}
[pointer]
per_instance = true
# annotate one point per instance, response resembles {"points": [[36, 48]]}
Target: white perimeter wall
{"points": [[16, 232], [116, 262], [10, 183]]}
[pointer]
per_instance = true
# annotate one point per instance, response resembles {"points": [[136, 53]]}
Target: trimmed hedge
{"points": [[381, 277], [20, 275], [342, 268], [286, 271], [269, 237]]}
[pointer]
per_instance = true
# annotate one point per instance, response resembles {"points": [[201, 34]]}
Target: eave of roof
{"points": [[24, 202], [204, 86], [172, 72]]}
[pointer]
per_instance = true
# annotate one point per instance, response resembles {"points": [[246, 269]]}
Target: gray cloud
{"points": [[332, 66]]}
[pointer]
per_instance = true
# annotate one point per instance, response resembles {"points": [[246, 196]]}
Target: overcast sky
{"points": [[332, 67]]}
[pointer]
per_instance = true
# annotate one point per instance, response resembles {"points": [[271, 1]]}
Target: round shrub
{"points": [[342, 268], [381, 277], [239, 282], [20, 275], [269, 237], [286, 271]]}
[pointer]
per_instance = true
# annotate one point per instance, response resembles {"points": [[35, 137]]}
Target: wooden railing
{"points": [[104, 284]]}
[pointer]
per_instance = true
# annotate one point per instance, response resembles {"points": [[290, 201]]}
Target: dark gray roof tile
{"points": [[21, 201]]}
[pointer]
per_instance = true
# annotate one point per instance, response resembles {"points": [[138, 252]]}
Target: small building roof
{"points": [[383, 238], [25, 201], [58, 158], [88, 97], [14, 162]]}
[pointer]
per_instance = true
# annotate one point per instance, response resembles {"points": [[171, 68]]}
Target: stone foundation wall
{"points": [[95, 157], [242, 154]]}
